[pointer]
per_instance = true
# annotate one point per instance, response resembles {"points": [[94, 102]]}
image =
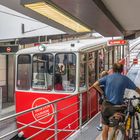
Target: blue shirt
{"points": [[115, 85]]}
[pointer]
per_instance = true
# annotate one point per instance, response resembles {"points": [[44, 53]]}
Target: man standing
{"points": [[115, 85]]}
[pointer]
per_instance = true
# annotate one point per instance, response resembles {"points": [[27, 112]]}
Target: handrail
{"points": [[35, 121], [54, 113], [32, 109]]}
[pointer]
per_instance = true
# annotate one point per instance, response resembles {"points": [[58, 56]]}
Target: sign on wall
{"points": [[8, 49]]}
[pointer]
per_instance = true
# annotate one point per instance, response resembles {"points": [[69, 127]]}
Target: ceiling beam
{"points": [[105, 10]]}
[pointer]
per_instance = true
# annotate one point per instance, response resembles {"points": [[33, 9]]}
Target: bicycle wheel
{"points": [[135, 127]]}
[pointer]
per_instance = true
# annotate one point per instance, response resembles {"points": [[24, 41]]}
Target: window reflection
{"points": [[23, 72], [42, 71], [65, 71]]}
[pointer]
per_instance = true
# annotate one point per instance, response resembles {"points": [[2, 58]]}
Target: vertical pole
{"points": [[80, 112], [0, 101], [55, 121]]}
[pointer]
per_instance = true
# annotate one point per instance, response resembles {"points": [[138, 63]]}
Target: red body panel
{"points": [[26, 100]]}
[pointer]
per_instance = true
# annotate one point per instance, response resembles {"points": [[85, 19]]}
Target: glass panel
{"points": [[101, 60], [126, 50], [106, 60], [110, 59], [23, 72], [65, 72], [118, 53], [115, 54], [42, 71], [91, 69], [82, 71]]}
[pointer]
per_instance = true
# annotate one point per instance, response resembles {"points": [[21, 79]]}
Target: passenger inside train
{"points": [[40, 77], [58, 82]]}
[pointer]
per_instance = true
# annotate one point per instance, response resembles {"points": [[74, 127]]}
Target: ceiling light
{"points": [[54, 13]]}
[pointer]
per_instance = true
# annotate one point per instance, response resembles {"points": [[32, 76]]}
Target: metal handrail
{"points": [[36, 121], [32, 109], [54, 113]]}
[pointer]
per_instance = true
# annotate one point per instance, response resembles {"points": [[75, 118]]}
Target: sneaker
{"points": [[99, 128]]}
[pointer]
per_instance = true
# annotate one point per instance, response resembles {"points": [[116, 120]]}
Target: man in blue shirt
{"points": [[115, 85]]}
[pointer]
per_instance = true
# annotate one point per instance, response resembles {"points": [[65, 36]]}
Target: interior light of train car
{"points": [[117, 42], [51, 11]]}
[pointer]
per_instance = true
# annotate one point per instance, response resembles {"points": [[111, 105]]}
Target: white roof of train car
{"points": [[66, 46]]}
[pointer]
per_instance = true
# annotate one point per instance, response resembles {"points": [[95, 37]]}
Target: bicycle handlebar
{"points": [[133, 98]]}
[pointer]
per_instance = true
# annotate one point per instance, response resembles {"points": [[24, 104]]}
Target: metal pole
{"points": [[0, 101], [55, 120], [80, 112]]}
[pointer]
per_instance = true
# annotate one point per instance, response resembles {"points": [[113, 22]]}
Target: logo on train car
{"points": [[117, 42], [42, 112]]}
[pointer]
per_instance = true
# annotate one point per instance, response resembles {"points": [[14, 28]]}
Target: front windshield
{"points": [[42, 71], [65, 71], [54, 72]]}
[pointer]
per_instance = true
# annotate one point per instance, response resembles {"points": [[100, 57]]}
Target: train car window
{"points": [[91, 68], [110, 58], [23, 72], [115, 54], [106, 60], [101, 60], [126, 50], [82, 72], [65, 72], [122, 51], [118, 53], [42, 71]]}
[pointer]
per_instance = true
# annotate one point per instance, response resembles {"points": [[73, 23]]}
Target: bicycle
{"points": [[126, 125]]}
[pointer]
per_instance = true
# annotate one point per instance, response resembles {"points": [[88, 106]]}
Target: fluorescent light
{"points": [[53, 13]]}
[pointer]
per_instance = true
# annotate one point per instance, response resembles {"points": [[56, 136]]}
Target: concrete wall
{"points": [[2, 70]]}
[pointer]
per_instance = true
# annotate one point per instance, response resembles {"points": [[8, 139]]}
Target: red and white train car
{"points": [[49, 72]]}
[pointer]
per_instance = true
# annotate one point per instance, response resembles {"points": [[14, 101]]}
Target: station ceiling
{"points": [[108, 17]]}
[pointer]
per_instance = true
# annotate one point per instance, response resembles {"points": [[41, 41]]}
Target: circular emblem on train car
{"points": [[42, 48], [43, 111]]}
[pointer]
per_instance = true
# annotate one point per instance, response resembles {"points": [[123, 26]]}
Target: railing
{"points": [[133, 46], [56, 121]]}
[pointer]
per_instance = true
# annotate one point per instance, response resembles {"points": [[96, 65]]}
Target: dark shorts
{"points": [[107, 111], [101, 100]]}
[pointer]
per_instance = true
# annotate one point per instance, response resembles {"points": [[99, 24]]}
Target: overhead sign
{"points": [[135, 61], [9, 49], [117, 42]]}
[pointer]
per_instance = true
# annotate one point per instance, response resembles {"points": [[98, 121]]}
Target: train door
{"points": [[106, 60], [111, 57], [83, 85], [100, 62], [92, 72], [87, 76]]}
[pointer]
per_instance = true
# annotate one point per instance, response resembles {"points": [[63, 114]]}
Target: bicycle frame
{"points": [[130, 127]]}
